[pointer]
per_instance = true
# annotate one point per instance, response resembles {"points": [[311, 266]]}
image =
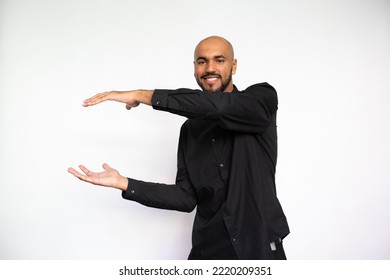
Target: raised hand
{"points": [[132, 98], [108, 178]]}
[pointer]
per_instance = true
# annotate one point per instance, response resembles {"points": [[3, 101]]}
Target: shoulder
{"points": [[262, 90], [261, 87], [263, 93]]}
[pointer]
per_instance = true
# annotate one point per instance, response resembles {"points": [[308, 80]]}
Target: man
{"points": [[226, 160]]}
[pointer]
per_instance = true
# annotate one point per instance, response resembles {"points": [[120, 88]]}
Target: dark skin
{"points": [[214, 65]]}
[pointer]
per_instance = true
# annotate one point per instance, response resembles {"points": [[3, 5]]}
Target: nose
{"points": [[211, 66]]}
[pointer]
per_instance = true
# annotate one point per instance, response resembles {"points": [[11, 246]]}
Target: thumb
{"points": [[106, 166]]}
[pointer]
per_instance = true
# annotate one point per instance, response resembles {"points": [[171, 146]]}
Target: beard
{"points": [[224, 83]]}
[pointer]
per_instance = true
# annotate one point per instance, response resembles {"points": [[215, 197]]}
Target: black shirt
{"points": [[226, 168]]}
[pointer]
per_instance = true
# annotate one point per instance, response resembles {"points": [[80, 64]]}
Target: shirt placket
{"points": [[219, 159]]}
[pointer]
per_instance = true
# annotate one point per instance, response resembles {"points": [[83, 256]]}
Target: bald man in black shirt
{"points": [[226, 160]]}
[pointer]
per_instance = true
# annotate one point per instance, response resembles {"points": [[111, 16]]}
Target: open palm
{"points": [[108, 178]]}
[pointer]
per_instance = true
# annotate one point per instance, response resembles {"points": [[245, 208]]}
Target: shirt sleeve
{"points": [[179, 196], [251, 110]]}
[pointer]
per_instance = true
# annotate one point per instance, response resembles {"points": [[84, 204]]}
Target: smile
{"points": [[211, 78]]}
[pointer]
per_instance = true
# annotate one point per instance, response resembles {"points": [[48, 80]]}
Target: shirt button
{"points": [[221, 165], [213, 140], [234, 240], [158, 102], [132, 191]]}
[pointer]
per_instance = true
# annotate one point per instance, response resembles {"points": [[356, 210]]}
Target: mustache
{"points": [[210, 74]]}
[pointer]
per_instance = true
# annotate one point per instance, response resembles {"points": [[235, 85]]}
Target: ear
{"points": [[234, 66], [194, 70]]}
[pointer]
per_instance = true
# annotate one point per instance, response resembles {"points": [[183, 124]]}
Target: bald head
{"points": [[216, 41]]}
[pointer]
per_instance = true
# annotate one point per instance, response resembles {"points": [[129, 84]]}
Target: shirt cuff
{"points": [[133, 190], [160, 98]]}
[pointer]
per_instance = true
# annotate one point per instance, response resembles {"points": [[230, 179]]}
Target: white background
{"points": [[328, 60]]}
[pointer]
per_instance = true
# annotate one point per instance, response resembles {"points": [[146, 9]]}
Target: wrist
{"points": [[122, 183], [144, 96]]}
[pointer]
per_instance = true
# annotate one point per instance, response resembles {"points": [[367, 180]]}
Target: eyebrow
{"points": [[215, 57]]}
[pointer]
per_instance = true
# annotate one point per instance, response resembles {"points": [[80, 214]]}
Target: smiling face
{"points": [[214, 65]]}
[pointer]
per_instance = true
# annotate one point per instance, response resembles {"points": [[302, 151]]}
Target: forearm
{"points": [[171, 197], [143, 96]]}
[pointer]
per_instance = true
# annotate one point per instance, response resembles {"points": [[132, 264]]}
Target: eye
{"points": [[219, 61], [200, 62]]}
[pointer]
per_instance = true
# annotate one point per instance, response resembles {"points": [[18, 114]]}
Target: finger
{"points": [[93, 100], [132, 105], [96, 99], [72, 170], [85, 170], [77, 174]]}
